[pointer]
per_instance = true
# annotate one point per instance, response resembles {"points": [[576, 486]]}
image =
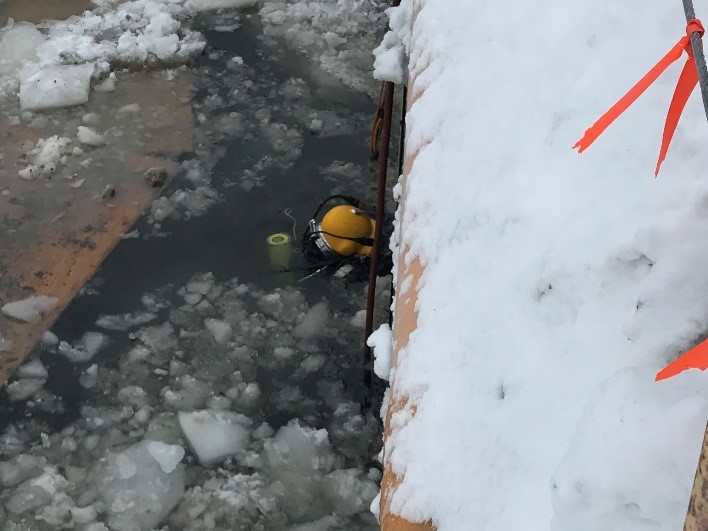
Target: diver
{"points": [[344, 235]]}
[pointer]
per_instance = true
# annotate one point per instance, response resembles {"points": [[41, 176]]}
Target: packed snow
{"points": [[555, 286], [382, 343]]}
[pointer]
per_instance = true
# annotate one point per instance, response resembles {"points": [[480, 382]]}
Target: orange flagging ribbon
{"points": [[686, 83], [696, 358]]}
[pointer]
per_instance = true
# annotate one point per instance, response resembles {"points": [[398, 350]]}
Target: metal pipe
{"points": [[698, 54], [380, 210]]}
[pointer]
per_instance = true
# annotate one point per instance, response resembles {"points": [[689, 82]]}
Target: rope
{"points": [[289, 213], [698, 54]]}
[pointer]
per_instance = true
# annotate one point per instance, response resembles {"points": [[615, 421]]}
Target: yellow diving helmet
{"points": [[345, 230]]}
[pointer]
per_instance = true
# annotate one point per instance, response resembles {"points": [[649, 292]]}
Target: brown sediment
{"points": [[38, 10], [53, 236]]}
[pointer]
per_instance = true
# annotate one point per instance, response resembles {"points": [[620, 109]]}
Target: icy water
{"points": [[196, 387]]}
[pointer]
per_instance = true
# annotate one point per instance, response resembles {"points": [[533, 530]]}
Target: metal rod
{"points": [[380, 209], [387, 98], [698, 54]]}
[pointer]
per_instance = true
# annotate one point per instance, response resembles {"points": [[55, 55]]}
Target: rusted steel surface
{"points": [[697, 515], [53, 234], [405, 322]]}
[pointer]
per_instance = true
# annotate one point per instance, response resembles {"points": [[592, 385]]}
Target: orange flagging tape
{"points": [[696, 358], [686, 83]]}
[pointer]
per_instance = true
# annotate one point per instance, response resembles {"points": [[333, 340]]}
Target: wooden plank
{"points": [[697, 515], [53, 235]]}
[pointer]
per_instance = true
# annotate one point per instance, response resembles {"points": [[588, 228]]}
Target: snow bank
{"points": [[390, 56], [547, 274]]}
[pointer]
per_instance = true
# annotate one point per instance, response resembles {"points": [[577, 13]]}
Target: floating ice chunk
{"points": [[56, 86], [89, 136], [168, 455], [298, 457], [136, 491], [205, 5], [313, 363], [314, 324], [237, 501], [18, 45], [323, 524], [359, 319], [50, 338], [125, 321], [221, 330], [349, 491], [159, 338], [89, 378], [84, 515], [36, 492], [108, 84], [20, 468], [214, 435], [283, 353], [86, 348], [131, 107], [48, 154], [161, 209], [382, 343], [132, 395], [24, 388], [191, 393], [90, 118], [32, 369], [31, 309]]}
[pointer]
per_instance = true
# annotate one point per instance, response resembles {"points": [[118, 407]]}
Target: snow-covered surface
{"points": [[555, 286], [382, 343]]}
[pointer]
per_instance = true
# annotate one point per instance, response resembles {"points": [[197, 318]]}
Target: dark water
{"points": [[229, 240]]}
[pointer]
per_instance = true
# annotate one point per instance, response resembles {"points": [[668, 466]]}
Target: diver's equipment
{"points": [[345, 230], [280, 250]]}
